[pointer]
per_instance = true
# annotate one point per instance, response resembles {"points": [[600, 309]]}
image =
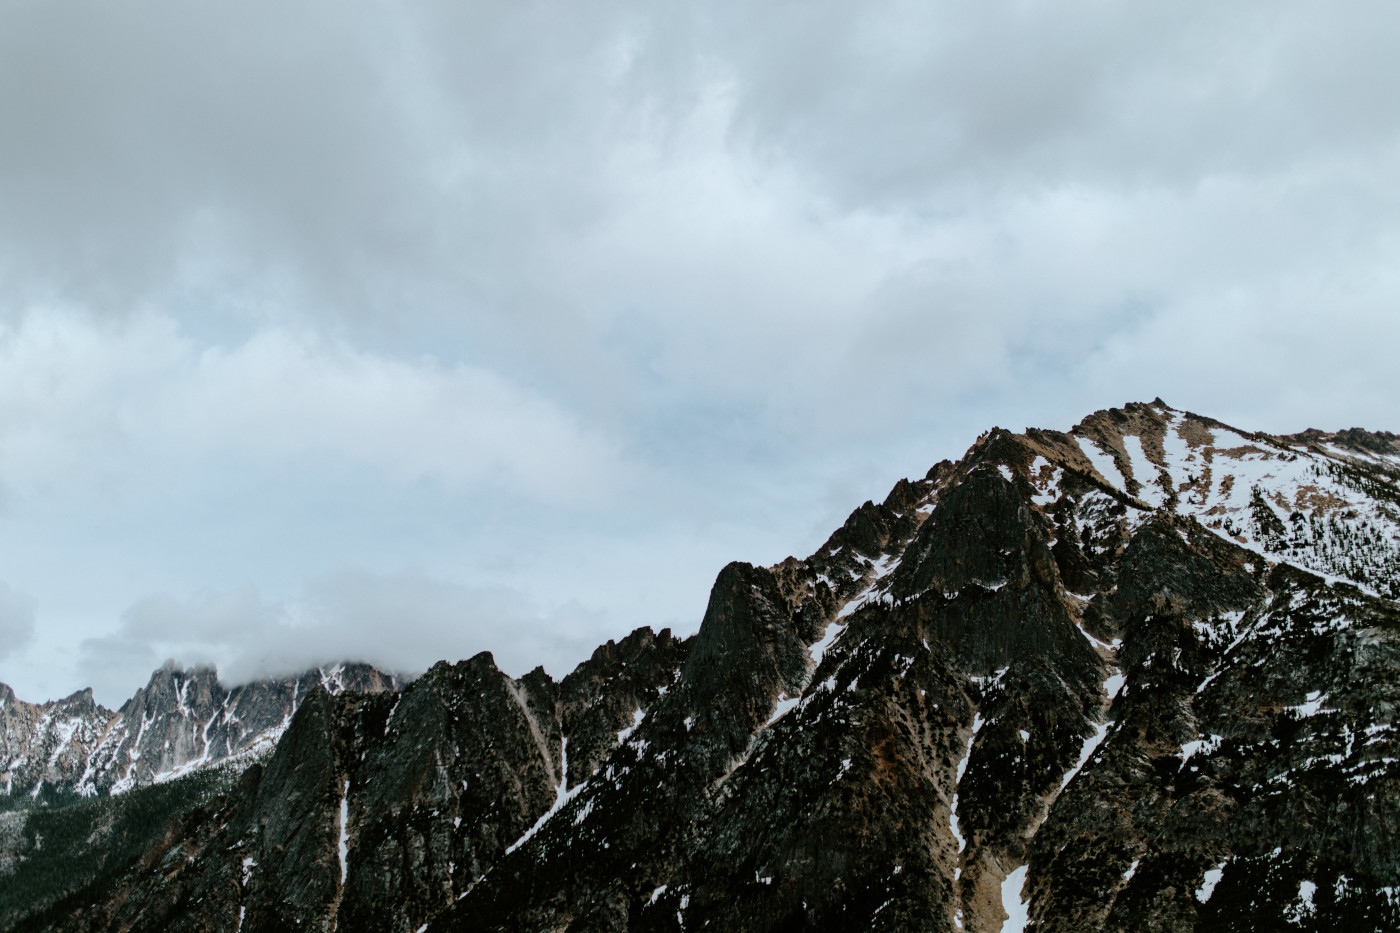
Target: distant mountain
{"points": [[181, 721], [1138, 676]]}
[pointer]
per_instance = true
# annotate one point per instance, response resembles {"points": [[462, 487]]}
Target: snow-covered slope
{"points": [[1326, 506]]}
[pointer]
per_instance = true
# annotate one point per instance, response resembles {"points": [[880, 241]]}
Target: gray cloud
{"points": [[756, 190], [78, 397], [114, 666], [16, 621], [557, 300], [894, 101]]}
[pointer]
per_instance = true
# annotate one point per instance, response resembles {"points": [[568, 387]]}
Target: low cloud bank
{"points": [[401, 623]]}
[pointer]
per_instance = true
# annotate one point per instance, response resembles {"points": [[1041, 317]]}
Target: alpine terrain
{"points": [[1139, 676]]}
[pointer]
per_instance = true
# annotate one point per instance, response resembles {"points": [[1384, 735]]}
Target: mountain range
{"points": [[179, 722], [1141, 675]]}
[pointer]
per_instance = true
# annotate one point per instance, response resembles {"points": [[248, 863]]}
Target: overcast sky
{"points": [[406, 330]]}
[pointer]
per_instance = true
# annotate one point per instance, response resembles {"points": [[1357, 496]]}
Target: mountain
{"points": [[1142, 675], [181, 721]]}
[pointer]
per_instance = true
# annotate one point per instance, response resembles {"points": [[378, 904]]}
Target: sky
{"points": [[405, 330]]}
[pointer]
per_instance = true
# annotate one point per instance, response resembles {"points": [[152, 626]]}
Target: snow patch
{"points": [[1208, 883], [1199, 746], [1102, 462], [637, 716], [833, 632], [1085, 753], [1312, 707], [392, 710], [333, 680], [874, 591], [345, 832], [1144, 471], [561, 797], [958, 775], [1047, 492], [784, 705], [1012, 890], [1102, 645]]}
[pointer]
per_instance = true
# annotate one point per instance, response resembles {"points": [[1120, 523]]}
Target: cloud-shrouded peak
{"points": [[400, 622]]}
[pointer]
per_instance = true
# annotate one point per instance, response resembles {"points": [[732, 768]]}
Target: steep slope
{"points": [[1137, 676]]}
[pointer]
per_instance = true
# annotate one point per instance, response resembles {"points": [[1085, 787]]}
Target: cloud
{"points": [[78, 394], [896, 103], [401, 622], [16, 621], [722, 219], [114, 666], [507, 292]]}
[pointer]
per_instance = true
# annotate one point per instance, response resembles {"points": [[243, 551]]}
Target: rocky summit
{"points": [[1138, 676]]}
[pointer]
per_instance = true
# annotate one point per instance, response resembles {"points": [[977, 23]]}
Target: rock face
{"points": [[1138, 676], [182, 720]]}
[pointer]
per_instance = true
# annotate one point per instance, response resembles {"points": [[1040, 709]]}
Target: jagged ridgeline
{"points": [[1138, 676]]}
